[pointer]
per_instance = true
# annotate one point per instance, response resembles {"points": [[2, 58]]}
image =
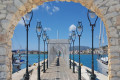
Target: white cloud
{"points": [[21, 22], [50, 8], [47, 29], [35, 8], [72, 27], [47, 8], [55, 9]]}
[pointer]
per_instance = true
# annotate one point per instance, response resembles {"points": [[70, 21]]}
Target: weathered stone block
{"points": [[9, 16], [114, 49], [113, 32], [5, 24], [114, 8], [118, 73], [115, 61], [3, 51], [112, 2], [31, 1], [114, 55], [115, 67], [103, 10], [12, 8], [2, 6], [113, 41], [109, 23], [118, 27], [3, 68], [3, 38], [24, 1], [113, 20], [114, 78], [3, 75], [2, 59], [3, 11], [2, 16], [118, 20], [111, 15], [18, 3], [112, 73], [7, 2]]}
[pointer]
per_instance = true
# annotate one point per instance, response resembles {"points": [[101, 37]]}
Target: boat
{"points": [[102, 61], [103, 65], [16, 63]]}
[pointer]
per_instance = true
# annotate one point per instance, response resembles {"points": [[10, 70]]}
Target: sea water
{"points": [[86, 59]]}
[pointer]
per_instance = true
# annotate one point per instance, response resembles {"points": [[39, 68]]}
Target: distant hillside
{"points": [[81, 47]]}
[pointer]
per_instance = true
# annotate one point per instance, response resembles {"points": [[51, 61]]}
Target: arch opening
{"points": [[28, 5]]}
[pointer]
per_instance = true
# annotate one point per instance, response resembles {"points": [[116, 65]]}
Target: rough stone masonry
{"points": [[11, 12]]}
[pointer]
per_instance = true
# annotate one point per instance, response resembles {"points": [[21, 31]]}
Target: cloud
{"points": [[21, 22], [50, 8], [55, 9], [35, 8], [72, 27], [47, 8], [47, 29]]}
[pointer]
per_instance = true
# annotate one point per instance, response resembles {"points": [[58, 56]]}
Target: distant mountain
{"points": [[81, 48]]}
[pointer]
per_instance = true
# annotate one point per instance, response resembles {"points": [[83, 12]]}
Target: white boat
{"points": [[103, 65], [102, 60], [17, 61]]}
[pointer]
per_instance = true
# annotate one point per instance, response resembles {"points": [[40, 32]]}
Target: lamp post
{"points": [[92, 20], [38, 31], [47, 40], [27, 19], [44, 39], [73, 39], [70, 40], [79, 31]]}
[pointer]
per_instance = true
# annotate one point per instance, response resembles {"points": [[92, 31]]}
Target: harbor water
{"points": [[85, 59]]}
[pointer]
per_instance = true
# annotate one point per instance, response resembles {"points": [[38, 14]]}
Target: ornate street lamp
{"points": [[27, 19], [79, 31], [39, 32], [47, 40], [73, 39], [92, 19], [44, 39], [70, 41]]}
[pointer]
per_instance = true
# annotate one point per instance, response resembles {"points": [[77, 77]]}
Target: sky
{"points": [[57, 16]]}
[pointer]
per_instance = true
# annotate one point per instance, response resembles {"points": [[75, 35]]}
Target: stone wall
{"points": [[11, 12]]}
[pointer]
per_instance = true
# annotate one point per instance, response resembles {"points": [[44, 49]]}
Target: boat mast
{"points": [[100, 35], [103, 36]]}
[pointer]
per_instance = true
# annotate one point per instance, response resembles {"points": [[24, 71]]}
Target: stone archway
{"points": [[11, 12]]}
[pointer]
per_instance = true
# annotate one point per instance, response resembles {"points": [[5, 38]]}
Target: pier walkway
{"points": [[61, 72], [54, 72]]}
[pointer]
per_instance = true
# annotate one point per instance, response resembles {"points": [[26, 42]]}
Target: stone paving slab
{"points": [[61, 72]]}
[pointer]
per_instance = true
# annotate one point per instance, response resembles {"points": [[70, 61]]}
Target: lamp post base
{"points": [[27, 77], [44, 67], [93, 77], [79, 72], [38, 72]]}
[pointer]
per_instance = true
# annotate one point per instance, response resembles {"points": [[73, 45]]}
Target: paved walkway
{"points": [[54, 72], [61, 72]]}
